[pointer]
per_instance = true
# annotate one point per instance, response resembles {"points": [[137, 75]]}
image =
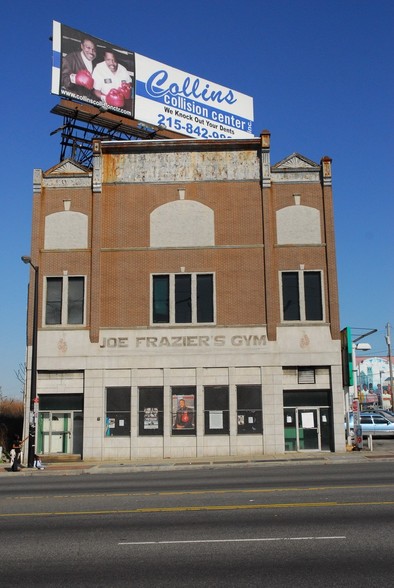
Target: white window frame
{"points": [[64, 313], [193, 295], [301, 292]]}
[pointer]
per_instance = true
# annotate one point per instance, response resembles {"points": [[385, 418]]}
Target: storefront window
{"points": [[117, 418], [249, 410], [151, 410], [216, 410]]}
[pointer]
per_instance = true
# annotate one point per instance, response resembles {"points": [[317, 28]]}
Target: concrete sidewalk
{"points": [[122, 466]]}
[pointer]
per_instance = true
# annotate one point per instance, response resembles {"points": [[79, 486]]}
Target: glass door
{"points": [[308, 429], [61, 432], [54, 432]]}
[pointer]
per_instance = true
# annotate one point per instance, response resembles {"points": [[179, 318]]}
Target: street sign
{"points": [[358, 435]]}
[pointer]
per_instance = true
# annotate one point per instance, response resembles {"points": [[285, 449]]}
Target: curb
{"points": [[79, 468]]}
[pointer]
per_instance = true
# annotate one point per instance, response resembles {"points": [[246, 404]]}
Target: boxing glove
{"points": [[125, 88], [84, 78], [115, 98]]}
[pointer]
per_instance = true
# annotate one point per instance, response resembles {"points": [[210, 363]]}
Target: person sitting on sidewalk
{"points": [[37, 462]]}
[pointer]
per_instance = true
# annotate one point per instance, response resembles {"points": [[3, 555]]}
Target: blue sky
{"points": [[320, 73]]}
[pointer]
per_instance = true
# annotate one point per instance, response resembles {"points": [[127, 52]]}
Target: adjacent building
{"points": [[188, 302]]}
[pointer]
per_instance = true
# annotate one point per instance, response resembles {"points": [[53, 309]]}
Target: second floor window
{"points": [[64, 300], [302, 296], [182, 298]]}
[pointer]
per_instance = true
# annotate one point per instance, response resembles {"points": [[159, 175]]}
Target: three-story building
{"points": [[188, 302]]}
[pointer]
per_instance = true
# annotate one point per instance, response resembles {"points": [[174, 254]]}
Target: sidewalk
{"points": [[122, 466]]}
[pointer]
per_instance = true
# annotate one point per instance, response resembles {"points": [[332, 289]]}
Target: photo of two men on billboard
{"points": [[95, 72]]}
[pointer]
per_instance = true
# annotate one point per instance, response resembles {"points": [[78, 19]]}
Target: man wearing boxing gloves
{"points": [[112, 81], [77, 69]]}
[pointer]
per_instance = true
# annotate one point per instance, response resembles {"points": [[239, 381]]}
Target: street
{"points": [[297, 525]]}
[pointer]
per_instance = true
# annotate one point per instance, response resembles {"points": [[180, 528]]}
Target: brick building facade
{"points": [[188, 302]]}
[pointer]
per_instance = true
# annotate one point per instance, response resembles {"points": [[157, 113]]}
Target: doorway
{"points": [[60, 424], [59, 432], [307, 429]]}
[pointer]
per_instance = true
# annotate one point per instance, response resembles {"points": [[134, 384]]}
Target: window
{"points": [[306, 375], [161, 299], [295, 398], [53, 315], [183, 298], [216, 410], [117, 418], [302, 296], [61, 401], [249, 412], [65, 300], [380, 420], [75, 301], [290, 429], [183, 410], [151, 411]]}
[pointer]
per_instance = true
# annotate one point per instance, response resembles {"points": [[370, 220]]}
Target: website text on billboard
{"points": [[88, 69]]}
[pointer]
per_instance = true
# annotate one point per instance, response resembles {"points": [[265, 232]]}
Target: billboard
{"points": [[88, 69]]}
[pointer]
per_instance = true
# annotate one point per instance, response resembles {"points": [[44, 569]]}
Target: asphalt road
{"points": [[293, 525]]}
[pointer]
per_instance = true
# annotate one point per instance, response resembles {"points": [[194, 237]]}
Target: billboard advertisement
{"points": [[88, 69]]}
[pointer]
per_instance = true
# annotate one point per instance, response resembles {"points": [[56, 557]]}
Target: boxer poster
{"points": [[183, 411]]}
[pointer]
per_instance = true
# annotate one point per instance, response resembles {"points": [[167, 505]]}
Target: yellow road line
{"points": [[203, 492], [199, 508]]}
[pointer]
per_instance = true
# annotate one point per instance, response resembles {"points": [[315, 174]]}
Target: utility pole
{"points": [[349, 345], [388, 341], [33, 374]]}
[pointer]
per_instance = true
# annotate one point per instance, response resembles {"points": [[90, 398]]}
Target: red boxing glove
{"points": [[84, 78], [115, 98], [125, 88]]}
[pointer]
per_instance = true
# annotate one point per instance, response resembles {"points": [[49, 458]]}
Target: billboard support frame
{"points": [[82, 123]]}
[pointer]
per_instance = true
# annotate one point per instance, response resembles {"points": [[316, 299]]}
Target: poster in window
{"points": [[183, 407], [151, 418], [109, 424], [216, 419], [307, 420]]}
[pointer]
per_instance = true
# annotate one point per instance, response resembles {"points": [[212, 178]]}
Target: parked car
{"points": [[388, 414], [373, 424]]}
